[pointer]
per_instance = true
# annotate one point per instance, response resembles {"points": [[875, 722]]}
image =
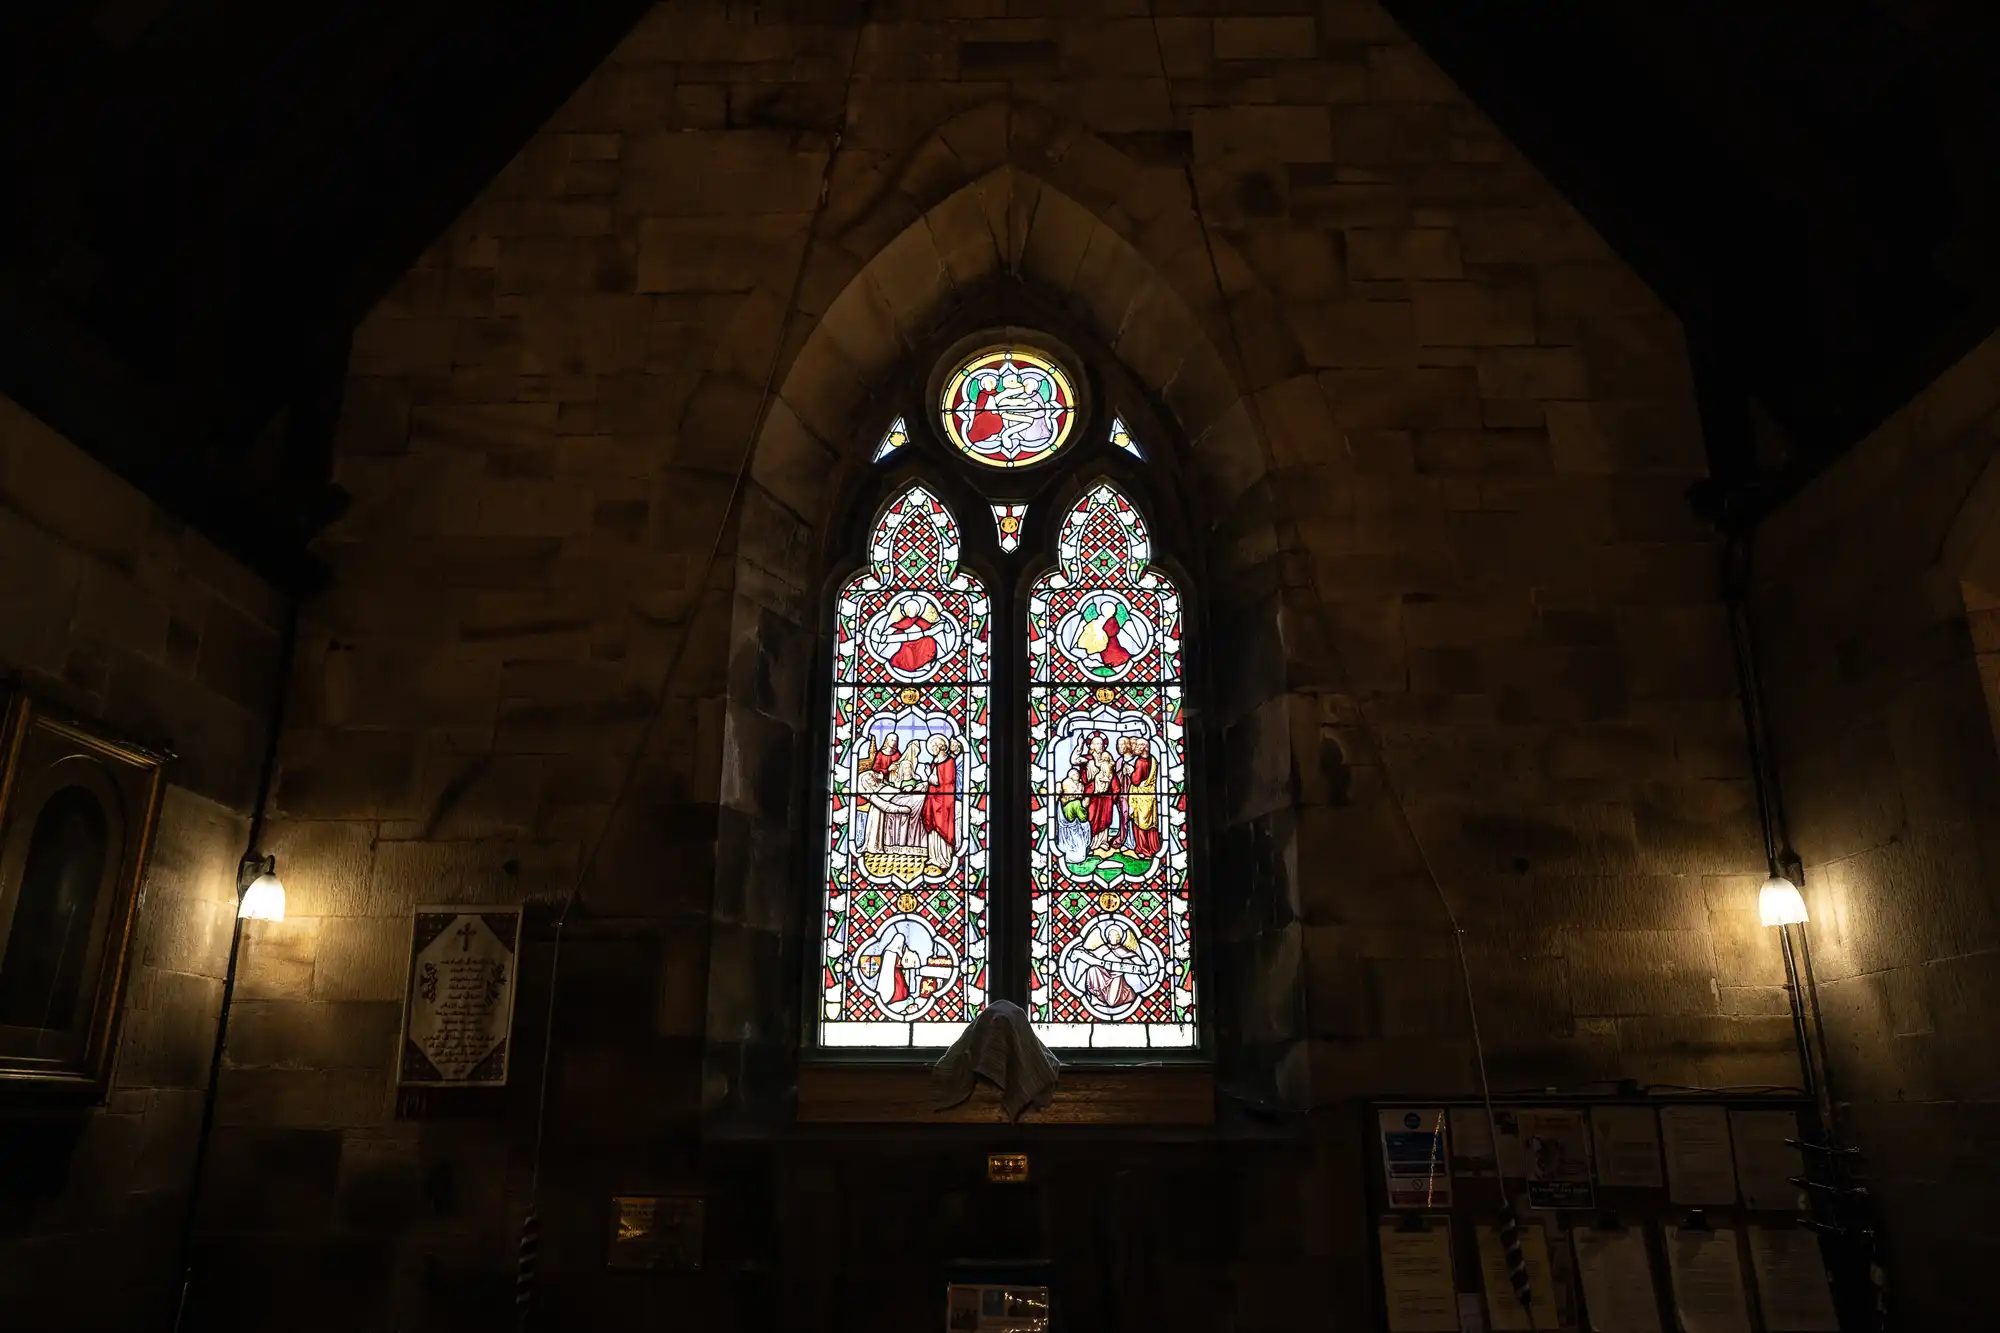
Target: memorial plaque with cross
{"points": [[459, 1007]]}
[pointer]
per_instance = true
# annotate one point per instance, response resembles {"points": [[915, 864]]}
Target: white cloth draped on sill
{"points": [[1001, 1047]]}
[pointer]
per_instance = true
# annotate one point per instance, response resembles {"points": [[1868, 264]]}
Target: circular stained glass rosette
{"points": [[1008, 407]]}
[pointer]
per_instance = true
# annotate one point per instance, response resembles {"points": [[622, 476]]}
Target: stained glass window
{"points": [[1007, 520], [1008, 406], [1110, 947], [893, 439], [1092, 887], [903, 958], [1122, 438]]}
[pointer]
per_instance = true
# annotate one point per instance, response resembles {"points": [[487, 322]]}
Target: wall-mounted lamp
{"points": [[1781, 906], [263, 897], [1779, 903], [1839, 1203], [260, 896]]}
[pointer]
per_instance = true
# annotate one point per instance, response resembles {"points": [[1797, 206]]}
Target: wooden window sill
{"points": [[878, 1094]]}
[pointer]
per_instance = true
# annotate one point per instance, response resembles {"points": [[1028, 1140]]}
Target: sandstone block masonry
{"points": [[1442, 434], [112, 609], [1876, 604]]}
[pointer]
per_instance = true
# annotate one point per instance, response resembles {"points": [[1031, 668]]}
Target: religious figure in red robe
{"points": [[1099, 638], [1101, 786], [914, 634], [899, 960], [905, 967], [939, 818], [986, 422]]}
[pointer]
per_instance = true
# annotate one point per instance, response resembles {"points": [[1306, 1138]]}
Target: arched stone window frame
{"points": [[1015, 199], [1050, 487]]}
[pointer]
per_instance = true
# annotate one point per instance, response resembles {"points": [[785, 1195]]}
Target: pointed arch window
{"points": [[904, 940], [1111, 939], [1007, 775]]}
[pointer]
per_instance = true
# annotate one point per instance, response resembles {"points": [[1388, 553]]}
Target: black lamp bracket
{"points": [[251, 868]]}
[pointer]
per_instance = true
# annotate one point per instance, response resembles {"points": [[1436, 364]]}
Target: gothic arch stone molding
{"points": [[1005, 191]]}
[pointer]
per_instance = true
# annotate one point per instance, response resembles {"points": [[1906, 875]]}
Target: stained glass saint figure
{"points": [[1008, 406], [1111, 958], [903, 956]]}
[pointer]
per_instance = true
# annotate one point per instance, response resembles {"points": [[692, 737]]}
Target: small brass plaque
{"points": [[1007, 1168], [656, 1231], [980, 1308]]}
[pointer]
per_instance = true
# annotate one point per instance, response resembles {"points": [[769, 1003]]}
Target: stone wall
{"points": [[114, 611], [1876, 616], [1437, 436]]}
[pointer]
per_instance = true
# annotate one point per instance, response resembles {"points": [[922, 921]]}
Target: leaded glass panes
{"points": [[1110, 952], [893, 439], [1007, 406], [1122, 437], [903, 957], [1007, 520]]}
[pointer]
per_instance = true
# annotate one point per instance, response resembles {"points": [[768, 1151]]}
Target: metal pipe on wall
{"points": [[251, 861]]}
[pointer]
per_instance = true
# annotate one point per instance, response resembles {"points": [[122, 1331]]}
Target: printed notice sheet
{"points": [[1555, 1148], [1617, 1278], [1791, 1281], [1416, 1277], [1700, 1170], [1414, 1157], [1503, 1308], [1708, 1280], [1627, 1142], [1765, 1163]]}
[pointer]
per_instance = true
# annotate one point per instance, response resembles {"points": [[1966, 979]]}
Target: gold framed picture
{"points": [[77, 814]]}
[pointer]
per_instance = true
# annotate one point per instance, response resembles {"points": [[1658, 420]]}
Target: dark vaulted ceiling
{"points": [[205, 195]]}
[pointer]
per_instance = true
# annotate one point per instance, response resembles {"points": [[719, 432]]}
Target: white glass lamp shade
{"points": [[1780, 904], [264, 900]]}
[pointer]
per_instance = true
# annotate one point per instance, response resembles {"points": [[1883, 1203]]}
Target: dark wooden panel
{"points": [[855, 1095]]}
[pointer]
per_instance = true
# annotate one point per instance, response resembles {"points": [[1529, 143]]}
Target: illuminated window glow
{"points": [[893, 439], [1008, 406], [1110, 950], [903, 943], [1122, 437], [1007, 520]]}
